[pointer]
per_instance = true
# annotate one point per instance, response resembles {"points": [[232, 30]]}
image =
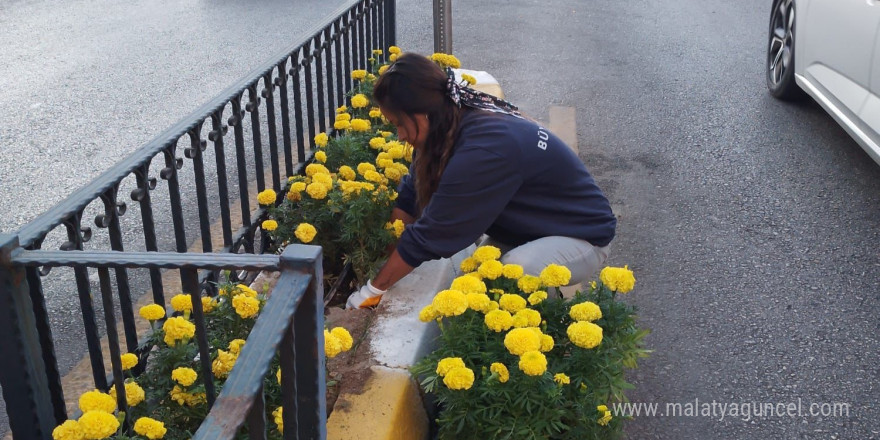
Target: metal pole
{"points": [[443, 26]]}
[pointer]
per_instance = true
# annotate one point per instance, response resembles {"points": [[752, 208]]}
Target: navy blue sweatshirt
{"points": [[511, 179]]}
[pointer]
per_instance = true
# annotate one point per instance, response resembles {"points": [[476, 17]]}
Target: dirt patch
{"points": [[349, 371]]}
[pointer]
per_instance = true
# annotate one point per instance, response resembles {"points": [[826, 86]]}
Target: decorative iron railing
{"points": [[297, 91]]}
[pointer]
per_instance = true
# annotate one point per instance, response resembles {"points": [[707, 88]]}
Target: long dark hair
{"points": [[415, 85]]}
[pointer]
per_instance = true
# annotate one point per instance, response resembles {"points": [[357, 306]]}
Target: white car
{"points": [[830, 49]]}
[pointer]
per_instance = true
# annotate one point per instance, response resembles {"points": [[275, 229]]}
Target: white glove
{"points": [[366, 296]]}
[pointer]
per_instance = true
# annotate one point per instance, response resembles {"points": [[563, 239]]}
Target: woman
{"points": [[479, 168]]}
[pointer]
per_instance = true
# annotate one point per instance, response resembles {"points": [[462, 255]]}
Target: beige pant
{"points": [[580, 257]]}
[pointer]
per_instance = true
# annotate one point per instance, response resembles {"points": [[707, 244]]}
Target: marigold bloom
{"points": [[134, 394], [469, 264], [342, 125], [323, 179], [235, 345], [385, 134], [180, 396], [152, 312], [459, 378], [69, 430], [245, 306], [373, 176], [478, 302], [619, 279], [317, 190], [360, 125], [278, 416], [555, 275], [468, 284], [512, 271], [223, 363], [531, 317], [561, 379], [394, 50], [305, 232], [241, 288], [490, 269], [344, 337], [486, 253], [528, 283], [150, 428], [533, 363], [181, 302], [382, 70], [321, 139], [393, 57], [178, 329], [447, 364], [498, 320], [332, 345], [96, 425], [428, 314], [128, 360], [97, 401], [208, 304], [359, 101], [316, 168], [393, 174], [345, 172], [343, 117], [585, 334], [184, 376], [469, 78], [605, 415], [397, 227], [269, 225], [321, 156], [512, 302], [547, 343], [358, 74], [585, 311], [297, 187], [501, 370], [266, 197], [395, 150], [377, 143], [521, 340], [343, 109], [537, 297], [450, 302]]}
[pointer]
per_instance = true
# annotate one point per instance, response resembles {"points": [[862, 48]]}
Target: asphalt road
{"points": [[753, 226]]}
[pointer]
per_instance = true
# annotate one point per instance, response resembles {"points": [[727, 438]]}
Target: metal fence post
{"points": [[390, 23], [22, 371], [443, 26]]}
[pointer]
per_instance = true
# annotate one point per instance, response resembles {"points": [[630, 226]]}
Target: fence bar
{"points": [[310, 105], [256, 419], [269, 97], [196, 153], [297, 104], [308, 329], [113, 342], [190, 280], [35, 287], [340, 88], [145, 184], [237, 122], [216, 136], [319, 86], [112, 212], [281, 83]]}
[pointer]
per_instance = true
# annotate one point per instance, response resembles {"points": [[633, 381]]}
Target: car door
{"points": [[870, 113], [835, 45]]}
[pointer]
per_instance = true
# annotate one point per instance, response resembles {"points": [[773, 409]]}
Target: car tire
{"points": [[780, 52]]}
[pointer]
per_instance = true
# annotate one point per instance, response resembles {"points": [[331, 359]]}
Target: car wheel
{"points": [[780, 52]]}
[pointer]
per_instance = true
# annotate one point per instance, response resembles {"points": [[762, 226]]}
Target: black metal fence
{"points": [[194, 195]]}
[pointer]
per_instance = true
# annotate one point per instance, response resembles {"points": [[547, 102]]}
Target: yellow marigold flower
{"points": [[373, 176], [512, 302], [585, 334], [297, 187], [97, 401], [69, 430], [447, 364], [134, 394], [358, 74], [321, 156], [537, 297], [384, 163], [317, 190], [342, 125], [377, 142], [385, 134], [371, 77], [486, 253], [181, 302], [360, 125], [512, 271], [344, 337], [180, 396], [269, 225], [266, 197], [278, 416], [561, 379], [178, 329], [547, 343], [316, 168], [469, 78], [223, 364], [321, 139], [323, 179], [382, 70], [521, 340], [428, 314], [305, 232], [359, 101], [150, 428], [152, 312], [245, 306], [394, 50], [377, 52], [98, 425], [490, 269], [605, 415], [332, 345], [397, 227], [593, 285], [498, 320], [345, 172], [468, 284], [235, 346], [478, 301], [450, 302], [393, 57], [533, 363], [469, 264], [208, 304], [528, 283], [459, 378], [343, 109], [343, 117], [501, 370], [393, 174], [531, 317], [363, 167], [619, 279], [241, 288], [128, 360], [585, 311], [396, 151], [184, 376], [493, 305], [555, 275]]}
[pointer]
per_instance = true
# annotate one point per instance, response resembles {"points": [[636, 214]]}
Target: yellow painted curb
{"points": [[390, 408]]}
